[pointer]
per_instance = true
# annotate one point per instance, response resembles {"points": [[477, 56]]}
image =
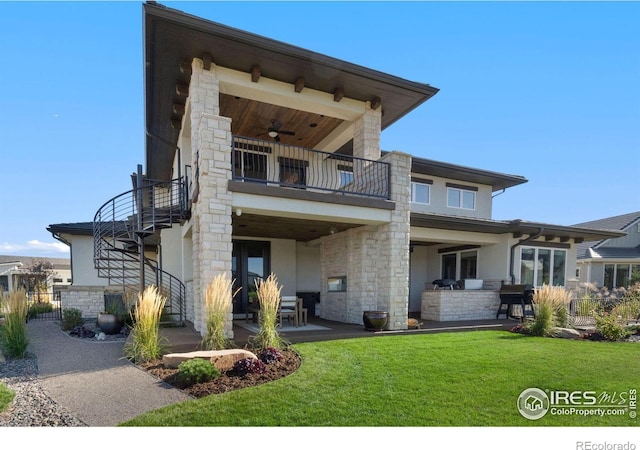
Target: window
{"points": [[57, 280], [420, 193], [621, 275], [461, 198], [346, 177], [460, 265], [540, 266], [293, 172], [248, 165]]}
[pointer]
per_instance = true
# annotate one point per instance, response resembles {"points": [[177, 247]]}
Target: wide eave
{"points": [[172, 38]]}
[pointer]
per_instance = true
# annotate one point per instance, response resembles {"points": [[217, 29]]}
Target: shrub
{"points": [[249, 365], [269, 355], [610, 327], [6, 397], [145, 344], [13, 335], [197, 370], [628, 308], [38, 308], [218, 298], [269, 299], [71, 317]]}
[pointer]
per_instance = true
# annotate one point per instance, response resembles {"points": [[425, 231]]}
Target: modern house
{"points": [[612, 262], [264, 157], [25, 272]]}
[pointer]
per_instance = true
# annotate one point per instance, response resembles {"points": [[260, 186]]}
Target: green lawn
{"points": [[453, 379]]}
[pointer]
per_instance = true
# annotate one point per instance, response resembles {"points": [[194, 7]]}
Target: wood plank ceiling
{"points": [[253, 119]]}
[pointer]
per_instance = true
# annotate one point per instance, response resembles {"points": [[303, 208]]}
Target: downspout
{"points": [[513, 251]]}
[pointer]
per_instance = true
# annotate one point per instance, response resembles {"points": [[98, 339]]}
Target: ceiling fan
{"points": [[274, 131]]}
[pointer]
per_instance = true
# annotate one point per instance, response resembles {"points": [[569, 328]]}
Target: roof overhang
{"points": [[496, 180], [518, 228], [173, 38]]}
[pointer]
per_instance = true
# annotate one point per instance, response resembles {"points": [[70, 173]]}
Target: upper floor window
{"points": [[250, 165], [420, 193], [461, 197], [539, 266], [346, 177]]}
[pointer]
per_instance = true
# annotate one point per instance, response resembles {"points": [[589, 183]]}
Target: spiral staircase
{"points": [[127, 226]]}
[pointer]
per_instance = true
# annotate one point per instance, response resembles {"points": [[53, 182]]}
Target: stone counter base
{"points": [[446, 305]]}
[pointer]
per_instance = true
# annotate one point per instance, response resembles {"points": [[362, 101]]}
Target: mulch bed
{"points": [[228, 380]]}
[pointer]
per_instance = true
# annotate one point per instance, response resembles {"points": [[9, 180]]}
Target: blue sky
{"points": [[546, 90]]}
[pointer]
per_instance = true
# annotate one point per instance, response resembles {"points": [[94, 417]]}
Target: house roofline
{"points": [[517, 227], [172, 38]]}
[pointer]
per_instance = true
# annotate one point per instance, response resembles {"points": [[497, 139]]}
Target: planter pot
{"points": [[375, 320], [110, 323]]}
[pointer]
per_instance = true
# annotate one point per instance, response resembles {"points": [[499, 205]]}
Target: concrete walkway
{"points": [[92, 380]]}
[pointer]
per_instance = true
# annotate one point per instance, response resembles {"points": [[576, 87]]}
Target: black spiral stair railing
{"points": [[131, 221]]}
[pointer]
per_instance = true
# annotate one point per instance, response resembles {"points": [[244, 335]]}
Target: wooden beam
{"points": [[299, 85], [182, 90], [255, 73], [375, 102], [549, 237], [517, 235], [565, 239], [578, 240], [338, 94], [185, 68], [206, 61], [178, 109]]}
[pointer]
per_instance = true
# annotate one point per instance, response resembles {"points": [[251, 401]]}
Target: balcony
{"points": [[274, 164]]}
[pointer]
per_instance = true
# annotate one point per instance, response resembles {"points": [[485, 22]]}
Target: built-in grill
{"points": [[519, 295]]}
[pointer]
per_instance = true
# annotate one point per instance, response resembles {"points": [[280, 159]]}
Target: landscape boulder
{"points": [[222, 359]]}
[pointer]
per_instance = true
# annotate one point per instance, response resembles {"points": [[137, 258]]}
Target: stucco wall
{"points": [[84, 273], [438, 199]]}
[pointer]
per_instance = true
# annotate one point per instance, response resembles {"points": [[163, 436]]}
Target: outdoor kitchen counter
{"points": [[442, 305]]}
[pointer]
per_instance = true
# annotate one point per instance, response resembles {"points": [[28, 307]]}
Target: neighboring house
{"points": [[612, 262], [264, 157], [23, 271]]}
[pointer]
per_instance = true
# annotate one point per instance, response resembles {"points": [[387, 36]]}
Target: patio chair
{"points": [[302, 312], [288, 310]]}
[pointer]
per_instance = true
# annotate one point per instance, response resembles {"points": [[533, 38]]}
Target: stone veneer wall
{"points": [[88, 299], [375, 260], [443, 305], [211, 142]]}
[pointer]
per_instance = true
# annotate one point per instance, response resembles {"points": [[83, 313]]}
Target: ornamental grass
{"points": [[13, 334], [218, 300], [269, 299], [145, 343], [551, 304]]}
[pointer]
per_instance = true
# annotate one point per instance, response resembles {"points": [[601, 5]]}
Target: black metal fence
{"points": [[44, 306]]}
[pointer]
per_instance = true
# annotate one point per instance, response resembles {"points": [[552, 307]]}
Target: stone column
{"points": [[211, 141], [393, 242], [366, 134]]}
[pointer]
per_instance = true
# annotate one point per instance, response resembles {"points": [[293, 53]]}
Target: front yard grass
{"points": [[453, 379]]}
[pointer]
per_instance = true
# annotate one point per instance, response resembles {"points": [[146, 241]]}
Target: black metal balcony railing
{"points": [[273, 163]]}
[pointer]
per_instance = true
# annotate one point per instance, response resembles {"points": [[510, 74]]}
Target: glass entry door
{"points": [[250, 260]]}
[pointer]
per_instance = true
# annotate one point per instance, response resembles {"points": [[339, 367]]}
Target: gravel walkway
{"points": [[31, 407], [71, 382]]}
